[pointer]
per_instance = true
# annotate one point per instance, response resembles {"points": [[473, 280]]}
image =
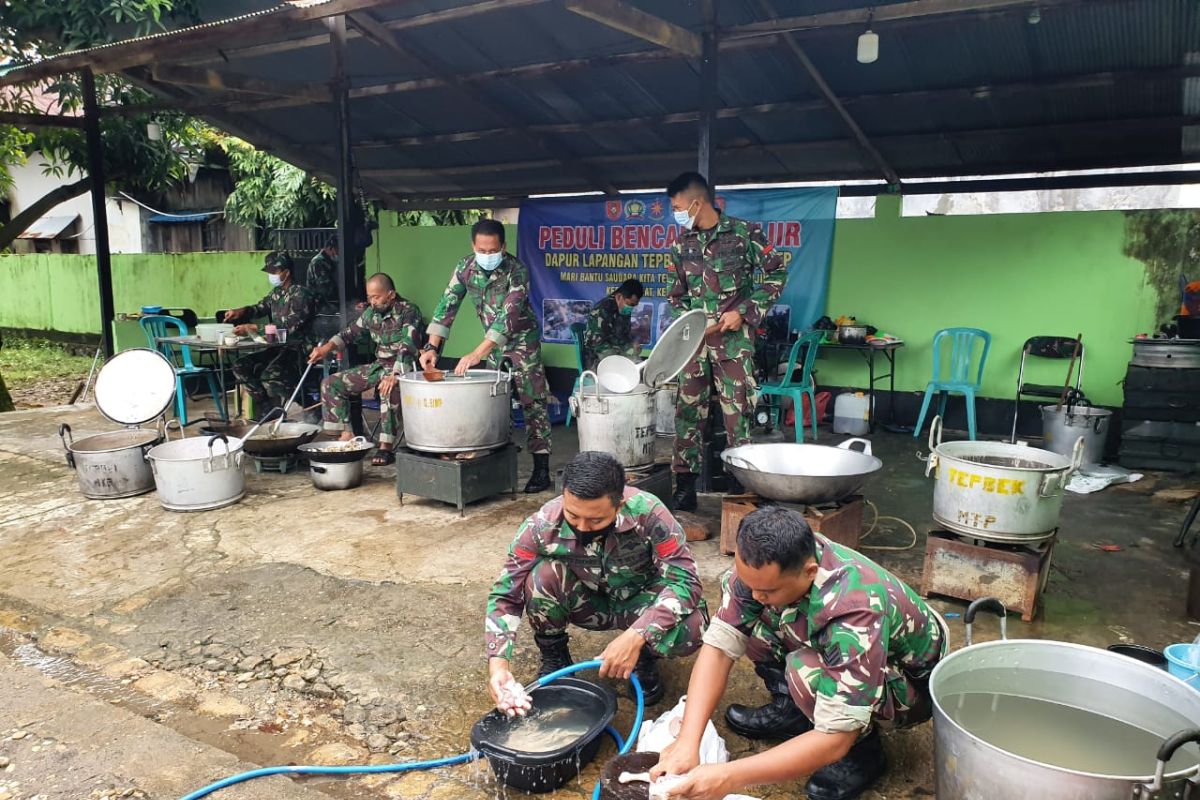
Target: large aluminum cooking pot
{"points": [[458, 413], [193, 475], [112, 465], [971, 765], [618, 423], [665, 399], [802, 473], [1061, 427], [997, 491]]}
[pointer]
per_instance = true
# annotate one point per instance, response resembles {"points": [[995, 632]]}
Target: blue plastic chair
{"points": [[797, 389], [577, 331], [958, 381], [156, 327]]}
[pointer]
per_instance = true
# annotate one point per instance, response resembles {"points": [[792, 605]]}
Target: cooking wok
{"points": [[802, 473], [265, 443]]}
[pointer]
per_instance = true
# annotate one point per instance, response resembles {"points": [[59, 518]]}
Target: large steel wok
{"points": [[802, 473], [265, 442]]}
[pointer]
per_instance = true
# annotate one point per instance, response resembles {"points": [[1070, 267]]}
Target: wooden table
{"points": [[243, 346], [868, 351]]}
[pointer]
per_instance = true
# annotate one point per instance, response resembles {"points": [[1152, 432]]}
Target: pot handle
{"points": [[743, 463], [166, 432], [208, 465], [935, 433], [507, 376], [991, 604], [583, 381], [1076, 459], [64, 433], [1148, 790], [866, 446], [317, 468]]}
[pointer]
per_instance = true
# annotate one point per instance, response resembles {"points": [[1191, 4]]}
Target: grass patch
{"points": [[26, 361]]}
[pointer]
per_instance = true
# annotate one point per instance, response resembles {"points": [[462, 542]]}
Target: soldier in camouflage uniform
{"points": [[499, 285], [394, 325], [270, 375], [602, 556], [608, 331], [715, 261], [844, 647], [321, 279]]}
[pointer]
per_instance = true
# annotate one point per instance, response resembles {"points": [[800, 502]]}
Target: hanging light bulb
{"points": [[868, 43]]}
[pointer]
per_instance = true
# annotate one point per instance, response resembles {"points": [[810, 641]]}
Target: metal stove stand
{"points": [[839, 522], [966, 568], [281, 464], [456, 480]]}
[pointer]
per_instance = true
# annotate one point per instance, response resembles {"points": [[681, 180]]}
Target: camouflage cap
{"points": [[274, 262]]}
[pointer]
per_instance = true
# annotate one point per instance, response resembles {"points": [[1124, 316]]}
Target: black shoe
{"points": [[778, 719], [556, 653], [648, 675], [539, 481], [684, 498], [853, 775]]}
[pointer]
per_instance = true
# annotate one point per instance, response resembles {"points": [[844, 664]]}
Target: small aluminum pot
{"points": [[190, 476], [332, 477]]}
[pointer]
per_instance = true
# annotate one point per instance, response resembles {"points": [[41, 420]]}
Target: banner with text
{"points": [[579, 250]]}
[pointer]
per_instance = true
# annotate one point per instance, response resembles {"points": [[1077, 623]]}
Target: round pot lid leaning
{"points": [[676, 347], [135, 386]]}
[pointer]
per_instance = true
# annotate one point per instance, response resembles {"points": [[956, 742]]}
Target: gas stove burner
{"points": [[281, 464]]}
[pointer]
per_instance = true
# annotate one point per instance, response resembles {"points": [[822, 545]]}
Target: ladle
{"points": [[292, 399]]}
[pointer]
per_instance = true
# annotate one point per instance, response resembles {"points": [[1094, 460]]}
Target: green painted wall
{"points": [[1014, 275]]}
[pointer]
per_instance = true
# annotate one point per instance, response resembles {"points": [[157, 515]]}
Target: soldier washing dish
{"points": [[394, 325], [844, 648], [608, 330], [499, 286], [270, 375], [602, 556], [713, 262]]}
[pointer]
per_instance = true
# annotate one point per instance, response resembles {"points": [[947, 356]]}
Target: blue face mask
{"points": [[683, 219], [489, 261]]}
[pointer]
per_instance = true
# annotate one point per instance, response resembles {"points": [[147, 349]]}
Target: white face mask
{"points": [[684, 219], [274, 279], [489, 261]]}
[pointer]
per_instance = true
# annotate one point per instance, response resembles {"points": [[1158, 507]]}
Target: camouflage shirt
{"points": [[290, 309], [321, 280], [608, 332], [715, 271], [501, 300], [395, 333], [646, 548], [861, 619]]}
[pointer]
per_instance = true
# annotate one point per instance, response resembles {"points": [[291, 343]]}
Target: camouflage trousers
{"points": [[905, 700], [555, 597], [270, 373], [532, 390], [730, 367], [338, 387]]}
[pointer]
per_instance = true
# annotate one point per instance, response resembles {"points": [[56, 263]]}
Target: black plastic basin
{"points": [[546, 771]]}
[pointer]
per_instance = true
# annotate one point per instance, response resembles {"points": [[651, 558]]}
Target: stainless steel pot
{"points": [[664, 409], [621, 424], [329, 477], [969, 767], [1061, 427], [997, 491], [802, 473], [852, 334], [112, 465], [192, 475], [457, 414]]}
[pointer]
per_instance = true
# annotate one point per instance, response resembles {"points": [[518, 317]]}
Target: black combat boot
{"points": [[539, 481], [778, 719], [556, 653], [853, 775], [647, 674], [684, 498]]}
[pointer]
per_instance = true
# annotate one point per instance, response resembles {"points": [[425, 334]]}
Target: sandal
{"points": [[383, 458]]}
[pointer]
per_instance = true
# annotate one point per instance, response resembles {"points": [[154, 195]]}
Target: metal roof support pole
{"points": [[708, 89], [95, 151], [340, 89]]}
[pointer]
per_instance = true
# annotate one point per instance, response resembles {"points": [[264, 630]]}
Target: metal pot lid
{"points": [[676, 347], [135, 386]]}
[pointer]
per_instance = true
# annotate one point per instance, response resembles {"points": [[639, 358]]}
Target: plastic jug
{"points": [[850, 412]]}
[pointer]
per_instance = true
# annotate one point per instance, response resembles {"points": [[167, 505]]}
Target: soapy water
{"points": [[546, 729]]}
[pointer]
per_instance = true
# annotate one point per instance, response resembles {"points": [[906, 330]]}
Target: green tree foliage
{"points": [[1168, 243], [271, 193]]}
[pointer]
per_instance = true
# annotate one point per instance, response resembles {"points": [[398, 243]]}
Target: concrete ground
{"points": [[145, 653]]}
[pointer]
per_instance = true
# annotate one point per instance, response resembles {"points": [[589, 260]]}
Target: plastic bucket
{"points": [[1147, 655], [1180, 665]]}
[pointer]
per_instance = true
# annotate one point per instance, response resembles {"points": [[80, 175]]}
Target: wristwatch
{"points": [[429, 346]]}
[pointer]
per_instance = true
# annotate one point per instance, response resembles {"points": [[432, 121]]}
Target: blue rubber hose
{"points": [[623, 747]]}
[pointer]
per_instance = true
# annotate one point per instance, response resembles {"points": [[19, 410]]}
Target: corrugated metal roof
{"points": [[49, 226], [1093, 84]]}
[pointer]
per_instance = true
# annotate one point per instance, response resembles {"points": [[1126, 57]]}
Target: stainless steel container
{"points": [[970, 768], [802, 473], [1167, 353], [198, 474], [330, 477], [620, 424], [996, 491], [457, 414], [664, 409], [1061, 427]]}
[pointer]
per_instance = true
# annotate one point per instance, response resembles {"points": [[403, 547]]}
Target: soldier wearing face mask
{"points": [[499, 286], [608, 329], [270, 375], [713, 264]]}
